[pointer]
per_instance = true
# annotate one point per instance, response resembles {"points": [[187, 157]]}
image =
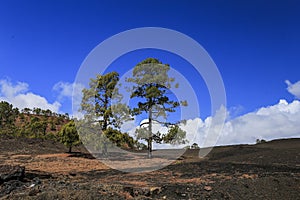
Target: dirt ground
{"points": [[265, 171]]}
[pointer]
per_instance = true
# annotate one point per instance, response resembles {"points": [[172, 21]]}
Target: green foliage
{"points": [[30, 123], [34, 119], [26, 111], [51, 136], [22, 117], [47, 113], [38, 128], [175, 135], [8, 115], [92, 137], [103, 114], [195, 146], [37, 111], [120, 139], [52, 126], [97, 140], [69, 136], [97, 100], [58, 121], [142, 133], [151, 87], [141, 146]]}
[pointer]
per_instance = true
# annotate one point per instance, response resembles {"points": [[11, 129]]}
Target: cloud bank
{"points": [[19, 95], [272, 122], [277, 121]]}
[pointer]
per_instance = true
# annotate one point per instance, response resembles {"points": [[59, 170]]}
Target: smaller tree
{"points": [[258, 141], [69, 136], [26, 111], [195, 146], [37, 111], [47, 112]]}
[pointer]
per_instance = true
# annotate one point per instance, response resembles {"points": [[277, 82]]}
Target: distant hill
{"points": [[45, 124], [28, 122]]}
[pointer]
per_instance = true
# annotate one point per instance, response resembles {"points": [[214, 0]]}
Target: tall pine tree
{"points": [[102, 107], [151, 88]]}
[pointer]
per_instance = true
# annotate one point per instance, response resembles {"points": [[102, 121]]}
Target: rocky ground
{"points": [[39, 169]]}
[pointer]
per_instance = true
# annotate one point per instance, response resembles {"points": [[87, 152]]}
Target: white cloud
{"points": [[293, 88], [277, 121], [70, 91], [18, 94], [64, 89], [8, 90], [272, 122]]}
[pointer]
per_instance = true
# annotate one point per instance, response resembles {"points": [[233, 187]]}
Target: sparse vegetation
{"points": [[259, 141], [31, 123], [8, 116]]}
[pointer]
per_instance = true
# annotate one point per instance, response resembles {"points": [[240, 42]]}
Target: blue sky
{"points": [[255, 44]]}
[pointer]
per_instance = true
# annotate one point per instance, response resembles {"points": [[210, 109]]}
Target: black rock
{"points": [[36, 180], [10, 172], [9, 186]]}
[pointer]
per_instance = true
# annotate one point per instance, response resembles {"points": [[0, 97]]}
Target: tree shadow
{"points": [[81, 155], [31, 174]]}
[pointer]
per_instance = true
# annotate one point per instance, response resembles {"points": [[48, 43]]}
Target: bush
{"points": [[69, 136], [258, 141], [120, 139], [195, 146], [141, 146]]}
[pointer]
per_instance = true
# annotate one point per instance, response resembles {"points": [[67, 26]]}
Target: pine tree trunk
{"points": [[70, 149], [150, 135]]}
